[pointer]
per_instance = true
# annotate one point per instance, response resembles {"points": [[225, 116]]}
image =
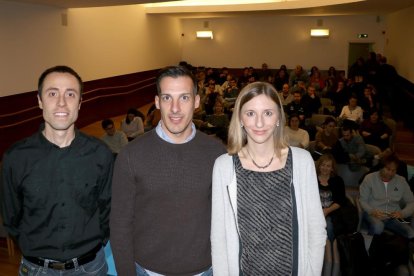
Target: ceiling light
{"points": [[319, 32], [205, 34]]}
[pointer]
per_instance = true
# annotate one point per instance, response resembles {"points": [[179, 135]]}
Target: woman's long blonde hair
{"points": [[237, 137]]}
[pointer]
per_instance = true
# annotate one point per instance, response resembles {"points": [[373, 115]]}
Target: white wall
{"points": [[97, 42], [399, 47], [119, 40], [251, 40], [110, 41], [31, 39]]}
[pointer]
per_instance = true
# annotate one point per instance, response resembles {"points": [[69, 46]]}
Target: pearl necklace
{"points": [[260, 167]]}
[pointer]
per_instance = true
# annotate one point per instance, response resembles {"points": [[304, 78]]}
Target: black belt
{"points": [[84, 259]]}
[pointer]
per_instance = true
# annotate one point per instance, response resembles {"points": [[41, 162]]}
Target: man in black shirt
{"points": [[311, 102], [57, 186], [296, 107]]}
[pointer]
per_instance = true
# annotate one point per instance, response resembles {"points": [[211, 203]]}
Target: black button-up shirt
{"points": [[56, 201]]}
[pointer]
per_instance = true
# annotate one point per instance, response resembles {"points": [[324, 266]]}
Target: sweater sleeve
{"points": [[122, 215], [408, 199], [365, 191]]}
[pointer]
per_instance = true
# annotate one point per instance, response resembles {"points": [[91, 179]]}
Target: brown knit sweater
{"points": [[161, 205]]}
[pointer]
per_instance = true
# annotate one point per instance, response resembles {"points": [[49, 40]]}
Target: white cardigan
{"points": [[224, 226]]}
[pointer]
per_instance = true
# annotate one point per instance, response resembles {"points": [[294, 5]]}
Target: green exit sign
{"points": [[362, 35]]}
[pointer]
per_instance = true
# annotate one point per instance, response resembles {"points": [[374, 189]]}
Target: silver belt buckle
{"points": [[58, 266]]}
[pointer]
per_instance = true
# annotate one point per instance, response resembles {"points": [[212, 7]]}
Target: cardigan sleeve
{"points": [[219, 251], [311, 221], [316, 223]]}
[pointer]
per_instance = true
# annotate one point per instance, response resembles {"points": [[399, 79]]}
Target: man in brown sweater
{"points": [[161, 200]]}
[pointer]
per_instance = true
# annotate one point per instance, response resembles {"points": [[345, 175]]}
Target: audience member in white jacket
{"points": [[266, 217]]}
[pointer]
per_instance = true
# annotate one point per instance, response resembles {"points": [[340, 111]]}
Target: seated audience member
{"points": [[368, 102], [296, 107], [219, 122], [115, 139], [223, 76], [332, 73], [210, 99], [352, 114], [354, 148], [333, 199], [265, 73], [253, 73], [311, 102], [317, 82], [232, 91], [281, 77], [201, 82], [226, 83], [219, 119], [300, 87], [211, 74], [244, 78], [199, 114], [386, 200], [252, 78], [297, 137], [132, 125], [285, 96], [339, 97], [298, 74], [313, 70], [152, 119], [217, 87], [375, 132], [326, 137]]}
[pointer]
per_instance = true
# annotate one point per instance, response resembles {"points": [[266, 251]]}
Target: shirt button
{"points": [[63, 204]]}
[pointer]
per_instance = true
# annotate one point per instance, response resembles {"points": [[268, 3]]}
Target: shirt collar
{"points": [[161, 133]]}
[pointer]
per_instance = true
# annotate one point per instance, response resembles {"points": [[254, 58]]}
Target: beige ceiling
{"points": [[378, 7]]}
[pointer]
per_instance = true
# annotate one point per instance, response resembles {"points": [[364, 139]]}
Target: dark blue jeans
{"points": [[377, 226]]}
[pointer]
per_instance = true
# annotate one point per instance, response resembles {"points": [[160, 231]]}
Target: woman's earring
{"points": [[241, 125], [277, 124]]}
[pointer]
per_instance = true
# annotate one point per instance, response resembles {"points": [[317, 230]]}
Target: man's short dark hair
{"points": [[346, 128], [393, 158], [58, 69], [106, 123], [175, 72]]}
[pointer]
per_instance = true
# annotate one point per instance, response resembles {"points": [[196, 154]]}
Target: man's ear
{"points": [[80, 102], [39, 102], [196, 101], [157, 102]]}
